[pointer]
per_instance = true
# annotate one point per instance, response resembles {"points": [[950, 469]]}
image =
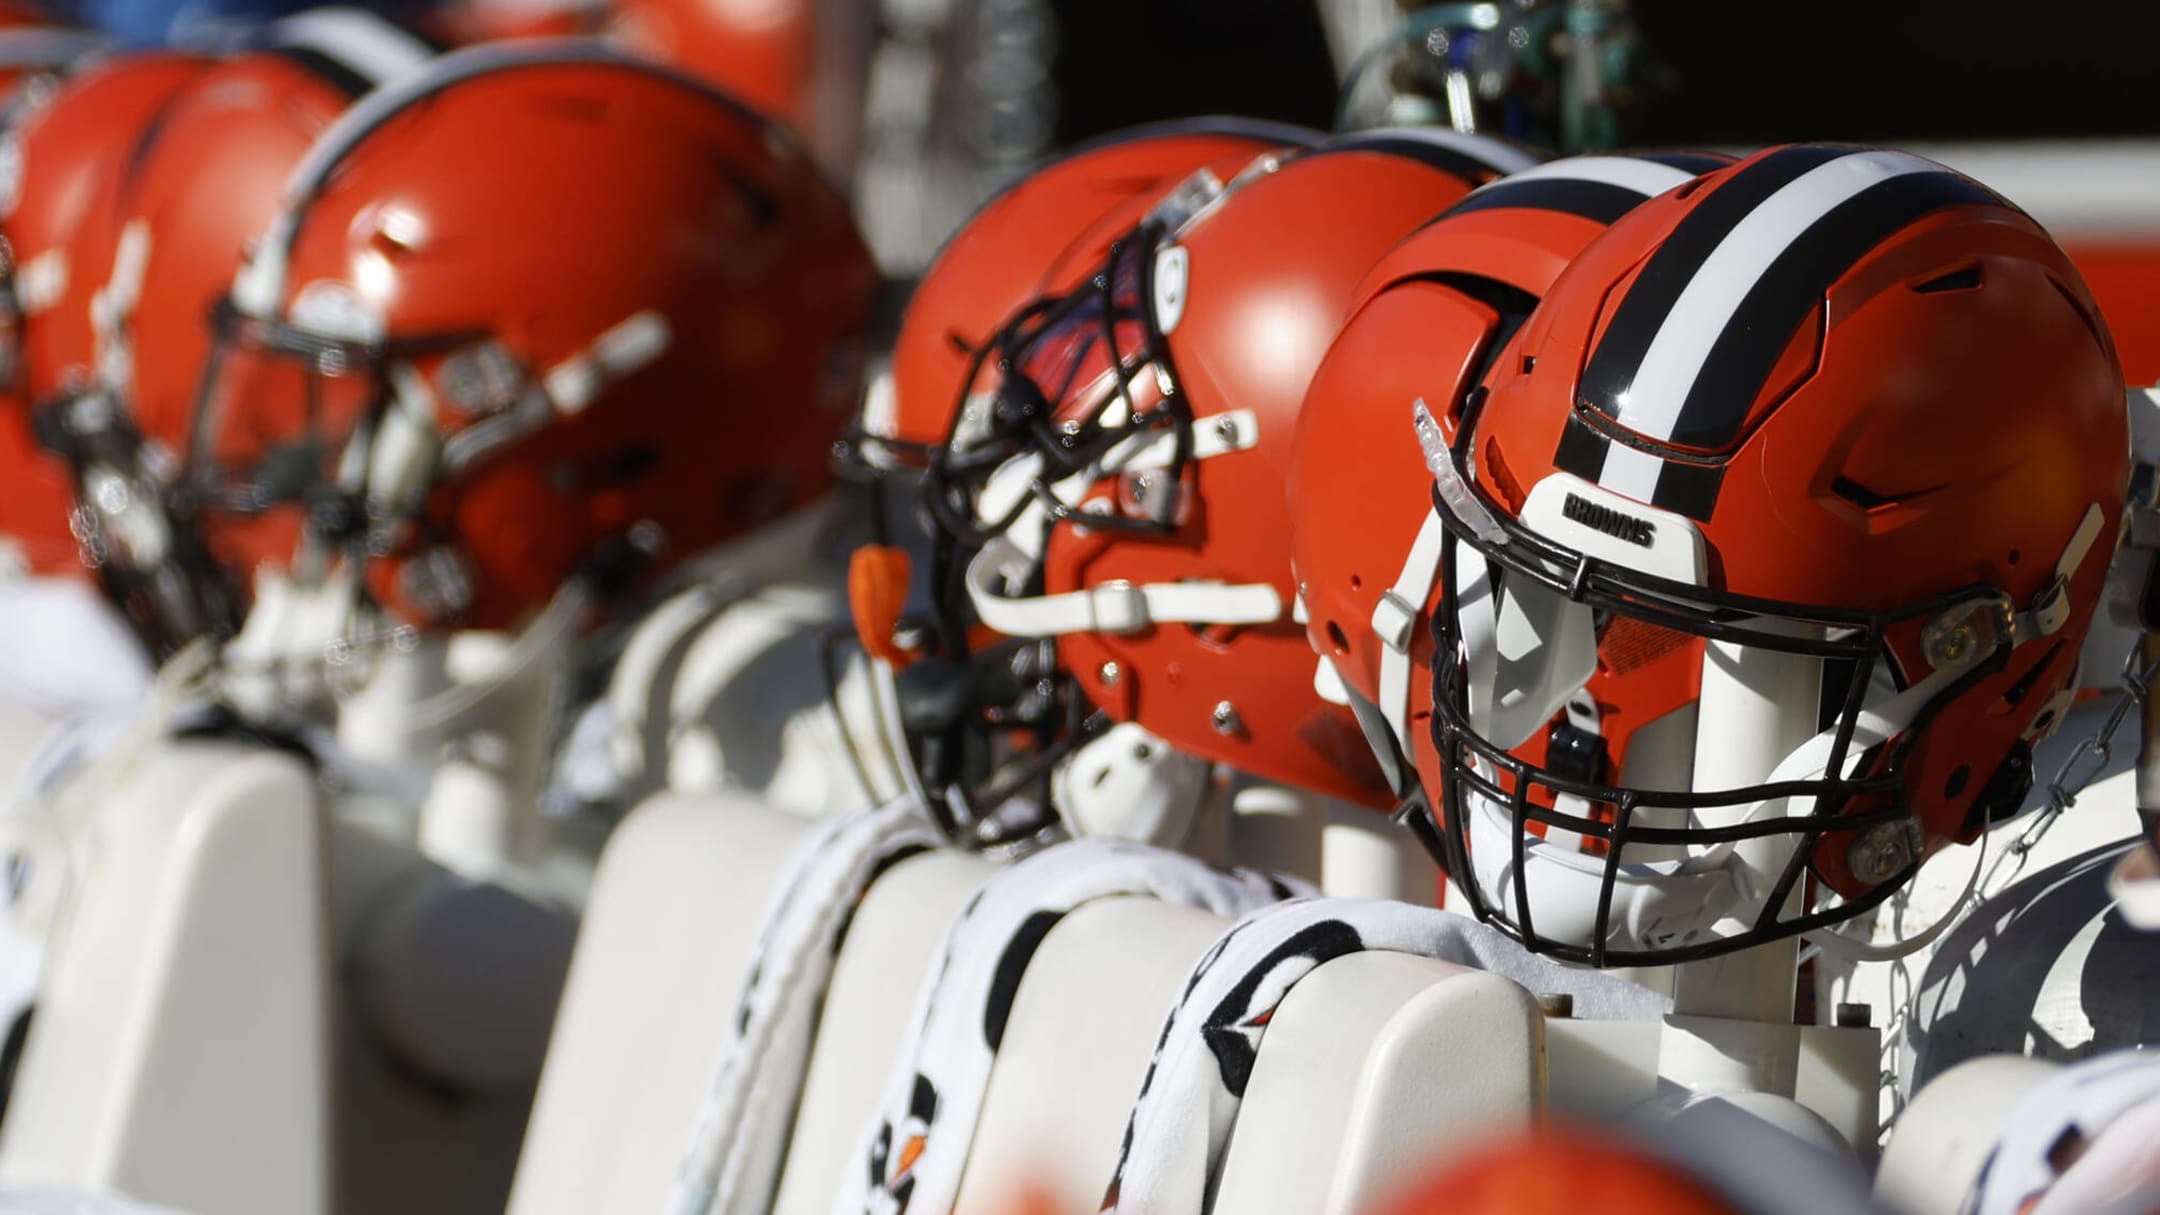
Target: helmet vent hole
{"points": [[1337, 639], [1860, 495], [1356, 583], [1956, 784], [2014, 555], [1689, 188], [1529, 363], [1964, 278], [1503, 479]]}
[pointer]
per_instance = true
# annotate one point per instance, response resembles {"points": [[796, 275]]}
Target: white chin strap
{"points": [[1113, 607], [1394, 622], [1117, 606], [1660, 904]]}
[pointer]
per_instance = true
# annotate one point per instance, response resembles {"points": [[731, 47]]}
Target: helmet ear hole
{"points": [[1956, 784]]}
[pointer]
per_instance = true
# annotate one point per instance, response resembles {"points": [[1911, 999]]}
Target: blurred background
{"points": [[924, 108]]}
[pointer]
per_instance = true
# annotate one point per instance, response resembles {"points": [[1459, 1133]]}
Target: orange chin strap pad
{"points": [[877, 582]]}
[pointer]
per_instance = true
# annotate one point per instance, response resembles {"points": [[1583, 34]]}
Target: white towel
{"points": [[2087, 1134], [916, 1147], [739, 1141], [1180, 1123]]}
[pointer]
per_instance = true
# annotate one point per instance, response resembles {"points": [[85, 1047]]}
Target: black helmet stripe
{"points": [[1641, 315], [1598, 201], [1739, 363], [332, 71], [1597, 188], [1694, 340], [1466, 156], [1695, 163], [350, 49], [1687, 486]]}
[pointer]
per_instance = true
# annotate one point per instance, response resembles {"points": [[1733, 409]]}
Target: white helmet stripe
{"points": [[1675, 357], [1696, 334], [1645, 177], [372, 49]]}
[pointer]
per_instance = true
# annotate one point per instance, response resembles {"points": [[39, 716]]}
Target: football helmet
{"points": [[477, 391], [1853, 423], [62, 146], [1118, 496], [1364, 542], [1033, 240], [113, 356]]}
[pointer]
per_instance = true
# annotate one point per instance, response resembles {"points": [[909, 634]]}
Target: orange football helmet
{"points": [[1364, 542], [148, 235], [1119, 496], [1029, 242], [64, 147], [1787, 411], [478, 388]]}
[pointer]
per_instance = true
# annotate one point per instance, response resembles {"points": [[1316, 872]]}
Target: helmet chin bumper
{"points": [[1125, 783], [1650, 906]]}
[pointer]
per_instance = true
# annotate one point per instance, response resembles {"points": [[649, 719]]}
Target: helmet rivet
{"points": [[1953, 645], [1881, 852], [1109, 674], [1226, 718], [1226, 429]]}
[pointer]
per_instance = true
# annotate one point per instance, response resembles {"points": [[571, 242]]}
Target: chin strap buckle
{"points": [[2051, 607], [1973, 630], [2045, 617]]}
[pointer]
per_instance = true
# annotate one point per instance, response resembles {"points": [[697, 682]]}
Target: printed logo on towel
{"points": [[893, 1155], [1233, 1029]]}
